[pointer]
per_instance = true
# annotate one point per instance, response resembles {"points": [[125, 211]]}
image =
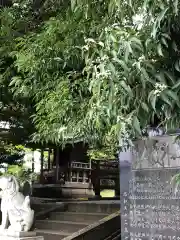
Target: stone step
{"points": [[92, 206], [51, 235], [77, 216], [115, 235], [66, 226]]}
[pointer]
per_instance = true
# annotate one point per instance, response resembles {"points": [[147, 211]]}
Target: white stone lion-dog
{"points": [[15, 207]]}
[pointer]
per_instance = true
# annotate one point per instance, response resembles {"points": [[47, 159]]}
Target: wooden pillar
{"points": [[49, 159], [33, 160], [84, 176], [54, 156], [70, 172], [70, 175], [117, 187], [42, 164], [77, 176], [98, 189], [90, 164], [90, 171], [57, 164], [95, 179]]}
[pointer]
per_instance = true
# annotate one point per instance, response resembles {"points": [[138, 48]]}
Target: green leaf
{"points": [[136, 40], [112, 68], [165, 98], [145, 106], [154, 30], [128, 50], [170, 76], [145, 74], [147, 42], [160, 76], [150, 95], [122, 63], [161, 15], [149, 65], [114, 53], [136, 124], [176, 85], [143, 81], [111, 7], [145, 4], [101, 44], [177, 67], [15, 81], [73, 5], [164, 41], [166, 36], [159, 49], [175, 3], [130, 3], [127, 88], [152, 100], [174, 46], [172, 94], [113, 38]]}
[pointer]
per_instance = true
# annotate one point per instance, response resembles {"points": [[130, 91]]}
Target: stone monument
{"points": [[150, 208], [17, 215]]}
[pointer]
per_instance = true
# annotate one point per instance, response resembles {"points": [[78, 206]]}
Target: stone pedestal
{"points": [[9, 235], [77, 190]]}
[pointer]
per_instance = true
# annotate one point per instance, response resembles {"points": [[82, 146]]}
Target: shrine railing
{"points": [[80, 165]]}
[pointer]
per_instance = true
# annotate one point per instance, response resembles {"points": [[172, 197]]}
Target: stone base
{"points": [[9, 235], [77, 190], [21, 238]]}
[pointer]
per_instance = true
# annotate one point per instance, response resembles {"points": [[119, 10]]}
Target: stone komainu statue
{"points": [[15, 207]]}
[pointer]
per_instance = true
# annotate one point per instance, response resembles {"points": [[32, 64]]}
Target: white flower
{"points": [[138, 20], [16, 5]]}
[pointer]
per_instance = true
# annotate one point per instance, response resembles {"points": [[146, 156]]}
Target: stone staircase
{"points": [[74, 216]]}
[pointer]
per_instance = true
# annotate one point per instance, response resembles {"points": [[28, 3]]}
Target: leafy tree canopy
{"points": [[96, 70]]}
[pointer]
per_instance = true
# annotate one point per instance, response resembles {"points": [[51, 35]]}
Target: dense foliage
{"points": [[21, 173], [96, 70], [11, 161], [102, 154], [10, 154]]}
